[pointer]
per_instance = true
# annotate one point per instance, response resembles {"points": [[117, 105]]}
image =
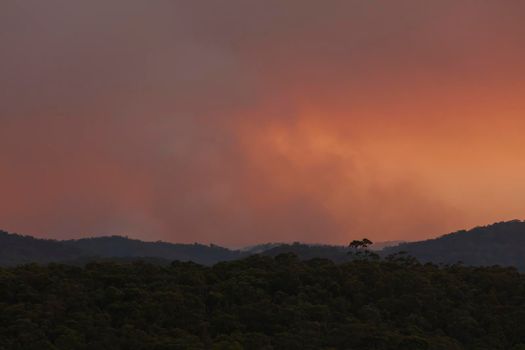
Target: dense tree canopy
{"points": [[262, 302]]}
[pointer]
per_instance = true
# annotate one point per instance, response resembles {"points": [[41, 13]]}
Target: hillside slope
{"points": [[498, 244], [17, 249], [501, 243], [120, 247]]}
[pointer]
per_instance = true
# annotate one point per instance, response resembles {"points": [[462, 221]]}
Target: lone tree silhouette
{"points": [[363, 244], [359, 249]]}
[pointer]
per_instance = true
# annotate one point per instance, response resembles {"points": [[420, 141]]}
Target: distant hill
{"points": [[123, 247], [17, 249], [501, 243], [309, 251], [382, 245], [498, 244], [324, 249]]}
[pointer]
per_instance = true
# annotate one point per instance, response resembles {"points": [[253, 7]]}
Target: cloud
{"points": [[249, 121]]}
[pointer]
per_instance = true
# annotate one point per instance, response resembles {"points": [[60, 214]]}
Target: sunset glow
{"points": [[239, 123]]}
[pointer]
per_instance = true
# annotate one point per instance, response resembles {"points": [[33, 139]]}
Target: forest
{"points": [[262, 302]]}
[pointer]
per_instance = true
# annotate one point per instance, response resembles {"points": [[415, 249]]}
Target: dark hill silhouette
{"points": [[123, 247], [501, 243], [310, 251], [498, 244], [17, 249]]}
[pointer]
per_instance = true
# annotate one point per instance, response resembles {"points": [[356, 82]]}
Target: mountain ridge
{"points": [[501, 243]]}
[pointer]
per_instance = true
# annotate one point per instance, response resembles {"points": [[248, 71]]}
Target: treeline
{"points": [[262, 302]]}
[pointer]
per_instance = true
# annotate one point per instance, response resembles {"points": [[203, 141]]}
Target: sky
{"points": [[240, 121]]}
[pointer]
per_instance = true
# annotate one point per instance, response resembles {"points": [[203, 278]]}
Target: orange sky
{"points": [[247, 121]]}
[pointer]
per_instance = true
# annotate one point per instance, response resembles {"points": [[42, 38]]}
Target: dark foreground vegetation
{"points": [[262, 302]]}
